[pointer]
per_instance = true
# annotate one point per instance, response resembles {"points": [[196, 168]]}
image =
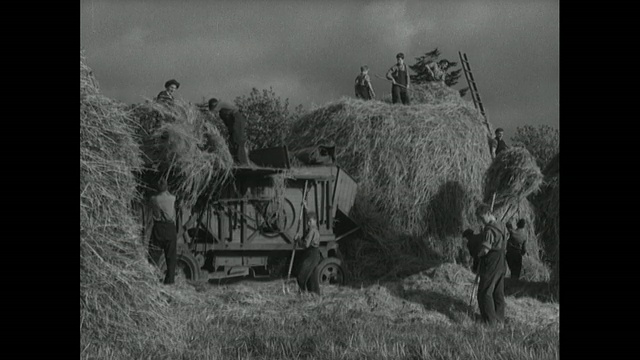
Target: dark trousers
{"points": [[514, 260], [363, 93], [235, 123], [399, 93], [309, 261], [164, 239], [491, 287]]}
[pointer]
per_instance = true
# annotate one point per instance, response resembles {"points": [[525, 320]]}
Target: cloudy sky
{"points": [[311, 51]]}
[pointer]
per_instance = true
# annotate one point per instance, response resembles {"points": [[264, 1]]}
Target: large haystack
{"points": [[123, 311], [548, 214], [180, 142], [419, 168]]}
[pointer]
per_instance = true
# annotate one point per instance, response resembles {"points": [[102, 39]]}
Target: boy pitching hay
{"points": [[399, 76]]}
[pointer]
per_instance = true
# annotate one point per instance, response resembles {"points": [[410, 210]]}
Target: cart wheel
{"points": [[330, 271], [186, 267]]}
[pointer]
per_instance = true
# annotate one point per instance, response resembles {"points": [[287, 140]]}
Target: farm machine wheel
{"points": [[187, 267], [330, 271]]}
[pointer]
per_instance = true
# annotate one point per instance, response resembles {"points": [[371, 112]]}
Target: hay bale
{"points": [[122, 308], [512, 176], [418, 167], [548, 219], [180, 142]]}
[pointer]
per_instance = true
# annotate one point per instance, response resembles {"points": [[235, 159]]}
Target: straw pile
{"points": [[419, 168], [122, 309], [180, 142], [548, 206]]}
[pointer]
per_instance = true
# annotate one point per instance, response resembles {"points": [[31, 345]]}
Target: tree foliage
{"points": [[268, 118]]}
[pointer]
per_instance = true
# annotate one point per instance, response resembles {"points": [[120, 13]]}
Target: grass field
{"points": [[424, 316]]}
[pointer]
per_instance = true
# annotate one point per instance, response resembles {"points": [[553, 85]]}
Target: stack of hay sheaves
{"points": [[122, 307]]}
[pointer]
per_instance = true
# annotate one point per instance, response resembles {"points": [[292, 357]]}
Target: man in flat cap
{"points": [[399, 76], [166, 95]]}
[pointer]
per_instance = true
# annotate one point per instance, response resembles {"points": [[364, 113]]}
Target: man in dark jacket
{"points": [[498, 145], [492, 267], [516, 248], [166, 95], [235, 123]]}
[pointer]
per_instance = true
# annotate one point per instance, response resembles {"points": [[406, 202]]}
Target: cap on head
{"points": [[312, 215], [444, 62], [499, 130], [400, 56], [212, 103], [364, 68], [172, 82]]}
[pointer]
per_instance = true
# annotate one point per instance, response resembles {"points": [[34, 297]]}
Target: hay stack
{"points": [[180, 142], [419, 167], [122, 309], [548, 205], [512, 176]]}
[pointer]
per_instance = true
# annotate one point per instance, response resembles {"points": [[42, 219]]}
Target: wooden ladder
{"points": [[473, 88]]}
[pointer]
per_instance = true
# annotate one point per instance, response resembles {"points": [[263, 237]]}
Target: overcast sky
{"points": [[311, 51]]}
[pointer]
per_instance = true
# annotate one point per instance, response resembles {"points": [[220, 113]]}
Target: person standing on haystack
{"points": [[498, 144], [166, 95], [492, 267], [363, 87], [438, 71], [399, 76], [516, 248], [164, 237], [235, 122], [311, 256]]}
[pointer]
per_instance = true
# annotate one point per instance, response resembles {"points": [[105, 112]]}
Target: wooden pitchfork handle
{"points": [[396, 84]]}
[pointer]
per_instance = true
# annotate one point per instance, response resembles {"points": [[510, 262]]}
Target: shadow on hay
{"points": [[445, 211], [444, 304], [538, 290]]}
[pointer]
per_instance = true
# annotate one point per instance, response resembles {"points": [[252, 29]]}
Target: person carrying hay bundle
{"points": [[399, 76], [311, 257], [166, 95], [498, 145], [492, 267], [164, 236], [516, 248], [363, 87], [235, 122]]}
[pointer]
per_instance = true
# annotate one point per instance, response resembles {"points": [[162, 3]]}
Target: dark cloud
{"points": [[310, 52]]}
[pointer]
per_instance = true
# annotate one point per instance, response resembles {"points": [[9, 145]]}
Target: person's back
{"points": [[363, 87], [163, 207]]}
